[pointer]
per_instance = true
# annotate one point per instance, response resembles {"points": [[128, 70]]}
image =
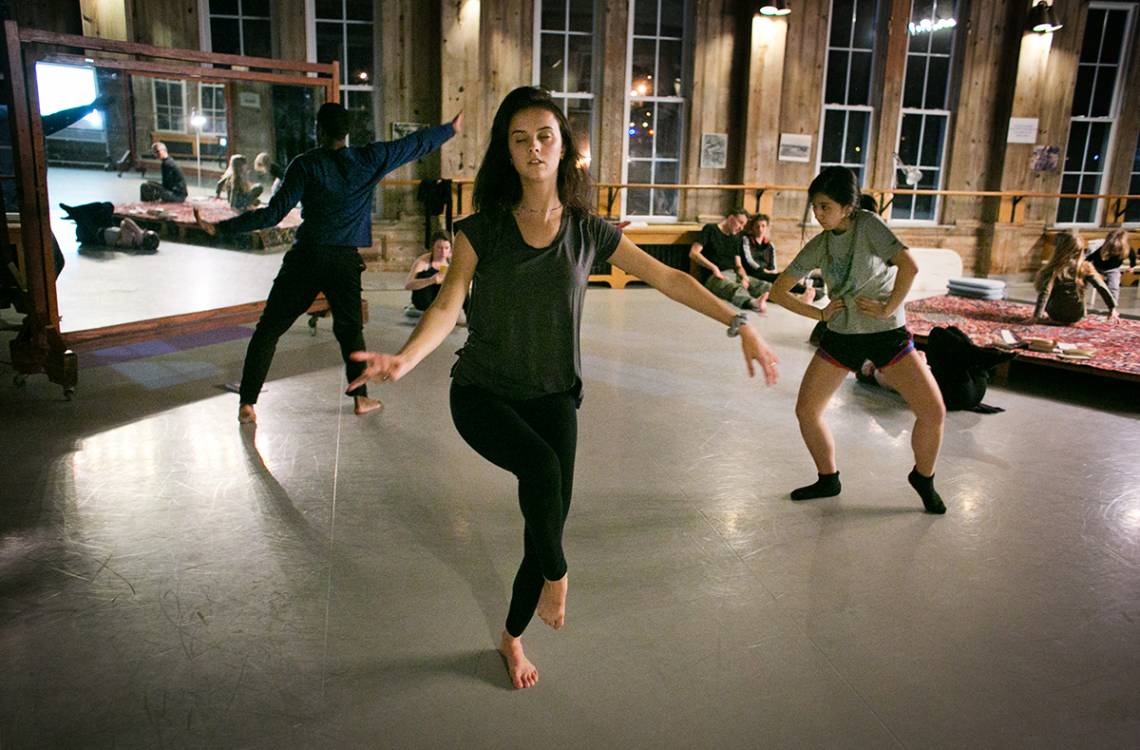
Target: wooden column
{"points": [[894, 38], [711, 107], [461, 87], [167, 23], [107, 19], [608, 152], [768, 40], [506, 49]]}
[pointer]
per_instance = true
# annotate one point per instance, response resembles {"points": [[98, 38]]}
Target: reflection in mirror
{"points": [[223, 146]]}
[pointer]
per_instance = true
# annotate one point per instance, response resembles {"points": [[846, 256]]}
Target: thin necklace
{"points": [[548, 211]]}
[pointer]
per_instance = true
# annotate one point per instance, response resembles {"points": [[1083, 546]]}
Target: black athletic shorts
{"points": [[850, 350]]}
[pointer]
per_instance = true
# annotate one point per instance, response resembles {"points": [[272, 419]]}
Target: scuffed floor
{"points": [[168, 579]]}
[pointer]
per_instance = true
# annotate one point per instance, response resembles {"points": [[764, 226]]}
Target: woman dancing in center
{"points": [[517, 385]]}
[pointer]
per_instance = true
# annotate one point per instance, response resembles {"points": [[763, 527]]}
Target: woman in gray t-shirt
{"points": [[868, 272], [527, 255]]}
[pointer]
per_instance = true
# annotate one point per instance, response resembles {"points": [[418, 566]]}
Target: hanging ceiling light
{"points": [[774, 8], [1042, 19]]}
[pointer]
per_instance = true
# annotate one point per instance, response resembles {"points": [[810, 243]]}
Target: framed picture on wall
{"points": [[714, 150]]}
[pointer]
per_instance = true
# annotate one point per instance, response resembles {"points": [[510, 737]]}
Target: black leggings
{"points": [[535, 440], [305, 272]]}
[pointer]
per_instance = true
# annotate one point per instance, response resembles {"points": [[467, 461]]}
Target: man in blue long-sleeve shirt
{"points": [[334, 183]]}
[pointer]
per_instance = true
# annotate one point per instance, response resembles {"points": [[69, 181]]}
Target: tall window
{"points": [[656, 109], [1096, 102], [169, 105], [847, 91], [1132, 211], [240, 27], [344, 32], [564, 62], [925, 107], [212, 106]]}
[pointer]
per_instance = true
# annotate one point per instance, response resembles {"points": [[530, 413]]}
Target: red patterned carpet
{"points": [[176, 221], [1117, 345]]}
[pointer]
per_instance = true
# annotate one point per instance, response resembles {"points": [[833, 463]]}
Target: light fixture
{"points": [[774, 8], [1042, 19]]}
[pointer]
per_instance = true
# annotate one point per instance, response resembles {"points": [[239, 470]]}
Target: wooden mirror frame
{"points": [[41, 346]]}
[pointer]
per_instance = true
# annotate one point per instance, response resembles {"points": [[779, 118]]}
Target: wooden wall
{"points": [[750, 80]]}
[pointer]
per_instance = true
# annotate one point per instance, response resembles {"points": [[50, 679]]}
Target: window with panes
{"points": [[925, 121], [212, 106], [564, 62], [345, 31], [169, 105], [847, 89], [240, 27], [1096, 105], [655, 123]]}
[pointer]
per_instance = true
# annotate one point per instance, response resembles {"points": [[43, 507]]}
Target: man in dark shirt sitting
{"points": [[173, 187], [719, 250], [334, 183]]}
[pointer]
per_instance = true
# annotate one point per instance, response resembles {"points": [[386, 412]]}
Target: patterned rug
{"points": [[1117, 346], [176, 221]]}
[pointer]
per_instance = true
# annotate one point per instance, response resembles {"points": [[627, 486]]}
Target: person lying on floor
{"points": [[95, 224]]}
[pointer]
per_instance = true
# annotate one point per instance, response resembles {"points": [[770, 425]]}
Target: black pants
{"points": [[535, 440], [305, 271]]}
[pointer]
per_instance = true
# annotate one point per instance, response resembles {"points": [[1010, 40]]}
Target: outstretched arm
{"points": [[434, 326], [393, 154], [683, 288]]}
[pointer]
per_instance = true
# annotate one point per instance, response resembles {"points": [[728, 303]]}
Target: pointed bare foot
{"points": [[246, 414], [523, 674], [552, 602], [364, 405], [760, 304], [809, 295]]}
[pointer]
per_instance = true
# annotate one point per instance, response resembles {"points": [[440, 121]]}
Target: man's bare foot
{"points": [[809, 295], [760, 304], [246, 414], [522, 673], [365, 405], [552, 602]]}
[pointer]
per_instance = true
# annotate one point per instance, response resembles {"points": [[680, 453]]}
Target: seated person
{"points": [[1108, 259], [95, 224], [240, 193], [266, 169], [173, 186], [759, 256], [426, 276], [1061, 283], [719, 249]]}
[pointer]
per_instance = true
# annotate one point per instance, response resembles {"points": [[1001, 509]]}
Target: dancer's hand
{"points": [[205, 226], [755, 350], [457, 122], [378, 366], [880, 309], [833, 308]]}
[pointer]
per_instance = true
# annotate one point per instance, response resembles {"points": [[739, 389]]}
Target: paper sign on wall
{"points": [[795, 147], [1022, 130]]}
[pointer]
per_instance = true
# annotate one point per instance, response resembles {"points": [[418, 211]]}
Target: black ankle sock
{"points": [[924, 486], [826, 486]]}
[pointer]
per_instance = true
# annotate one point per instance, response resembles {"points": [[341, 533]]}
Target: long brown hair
{"points": [[1068, 261], [497, 184], [1115, 244]]}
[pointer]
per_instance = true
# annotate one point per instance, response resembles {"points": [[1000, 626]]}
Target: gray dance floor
{"points": [[168, 579]]}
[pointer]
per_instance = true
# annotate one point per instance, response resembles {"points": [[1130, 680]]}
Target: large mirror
{"points": [[147, 151]]}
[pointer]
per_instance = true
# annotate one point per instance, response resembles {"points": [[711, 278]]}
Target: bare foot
{"points": [[760, 304], [246, 414], [809, 295], [523, 674], [365, 405], [552, 602]]}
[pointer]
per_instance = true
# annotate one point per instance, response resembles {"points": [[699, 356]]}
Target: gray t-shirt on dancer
{"points": [[526, 304], [854, 264]]}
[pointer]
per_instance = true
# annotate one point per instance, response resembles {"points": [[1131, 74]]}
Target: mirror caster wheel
{"points": [[312, 325], [68, 393]]}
